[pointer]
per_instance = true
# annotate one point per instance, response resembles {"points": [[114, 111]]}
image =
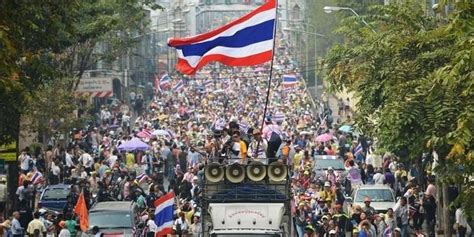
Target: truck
{"points": [[246, 200]]}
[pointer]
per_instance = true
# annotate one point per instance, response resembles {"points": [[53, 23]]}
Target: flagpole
{"points": [[267, 99]]}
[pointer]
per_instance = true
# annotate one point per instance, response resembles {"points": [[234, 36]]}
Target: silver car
{"points": [[118, 218]]}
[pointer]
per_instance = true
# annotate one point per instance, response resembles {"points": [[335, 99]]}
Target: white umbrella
{"points": [[160, 132]]}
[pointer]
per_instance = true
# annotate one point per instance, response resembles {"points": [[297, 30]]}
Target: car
{"points": [[382, 197], [323, 162], [115, 217], [54, 197]]}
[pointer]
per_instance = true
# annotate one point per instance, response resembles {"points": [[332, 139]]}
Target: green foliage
{"points": [[43, 42], [414, 80]]}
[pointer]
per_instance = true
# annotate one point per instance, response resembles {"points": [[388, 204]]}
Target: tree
{"points": [[43, 43], [414, 83]]}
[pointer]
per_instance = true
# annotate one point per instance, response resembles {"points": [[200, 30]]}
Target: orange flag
{"points": [[81, 211]]}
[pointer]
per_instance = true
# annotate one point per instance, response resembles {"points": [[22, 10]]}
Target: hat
{"points": [[327, 184], [330, 168], [332, 232], [306, 172], [195, 178], [325, 217], [62, 224], [397, 229]]}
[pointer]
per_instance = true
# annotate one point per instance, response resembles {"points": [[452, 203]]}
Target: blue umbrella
{"points": [[346, 128]]}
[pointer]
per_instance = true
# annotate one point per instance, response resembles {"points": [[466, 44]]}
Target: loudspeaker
{"points": [[277, 171], [256, 171], [235, 173], [214, 172]]}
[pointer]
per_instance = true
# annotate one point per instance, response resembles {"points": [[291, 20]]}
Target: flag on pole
{"points": [[157, 84], [246, 41], [164, 214], [289, 81], [141, 178], [179, 86], [81, 211]]}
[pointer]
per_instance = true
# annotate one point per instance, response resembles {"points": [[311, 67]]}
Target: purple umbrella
{"points": [[134, 144]]}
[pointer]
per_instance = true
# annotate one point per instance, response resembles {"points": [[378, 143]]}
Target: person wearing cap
{"points": [[369, 210], [64, 231], [273, 134], [301, 219], [296, 162], [381, 226], [331, 176], [327, 194], [397, 232], [429, 206], [258, 147]]}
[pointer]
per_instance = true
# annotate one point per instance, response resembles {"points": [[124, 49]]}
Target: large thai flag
{"points": [[289, 81], [246, 41], [164, 214]]}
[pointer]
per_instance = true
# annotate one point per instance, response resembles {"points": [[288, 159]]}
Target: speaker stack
{"points": [[255, 171]]}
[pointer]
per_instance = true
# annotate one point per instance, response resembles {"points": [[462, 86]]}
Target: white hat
{"points": [[332, 232], [327, 184]]}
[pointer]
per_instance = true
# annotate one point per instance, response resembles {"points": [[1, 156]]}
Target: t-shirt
{"points": [[297, 159], [35, 224], [64, 233], [71, 226]]}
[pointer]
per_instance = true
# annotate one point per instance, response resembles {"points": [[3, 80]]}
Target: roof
{"points": [[59, 186], [374, 186], [112, 206]]}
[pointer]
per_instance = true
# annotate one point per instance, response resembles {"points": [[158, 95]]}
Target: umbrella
{"points": [[160, 132], [346, 128], [134, 144], [324, 137], [143, 134]]}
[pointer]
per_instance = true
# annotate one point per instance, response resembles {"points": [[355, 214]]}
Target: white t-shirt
{"points": [[87, 160], [69, 162], [379, 178], [55, 169], [25, 161], [64, 233], [461, 220], [112, 160]]}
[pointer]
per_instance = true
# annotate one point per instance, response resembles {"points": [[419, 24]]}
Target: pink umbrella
{"points": [[144, 134], [324, 137]]}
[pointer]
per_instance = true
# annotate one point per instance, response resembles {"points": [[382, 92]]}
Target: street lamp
{"points": [[330, 9]]}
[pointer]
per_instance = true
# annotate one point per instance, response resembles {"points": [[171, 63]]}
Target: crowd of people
{"points": [[217, 116]]}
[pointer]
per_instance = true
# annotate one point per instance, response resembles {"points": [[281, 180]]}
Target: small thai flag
{"points": [[37, 177], [358, 149], [179, 86], [243, 127], [208, 83], [279, 117], [141, 178], [289, 80], [165, 81], [164, 214]]}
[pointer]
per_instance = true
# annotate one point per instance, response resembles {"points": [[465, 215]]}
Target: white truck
{"points": [[251, 200]]}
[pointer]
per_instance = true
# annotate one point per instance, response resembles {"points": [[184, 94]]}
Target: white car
{"points": [[382, 197]]}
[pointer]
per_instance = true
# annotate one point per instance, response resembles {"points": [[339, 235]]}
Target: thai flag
{"points": [[246, 41], [279, 117], [179, 86], [243, 127], [141, 178], [164, 214], [358, 149], [208, 84], [37, 177], [289, 81], [165, 81]]}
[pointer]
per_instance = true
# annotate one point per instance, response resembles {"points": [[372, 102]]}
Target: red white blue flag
{"points": [[179, 86], [164, 214], [289, 81], [246, 41]]}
